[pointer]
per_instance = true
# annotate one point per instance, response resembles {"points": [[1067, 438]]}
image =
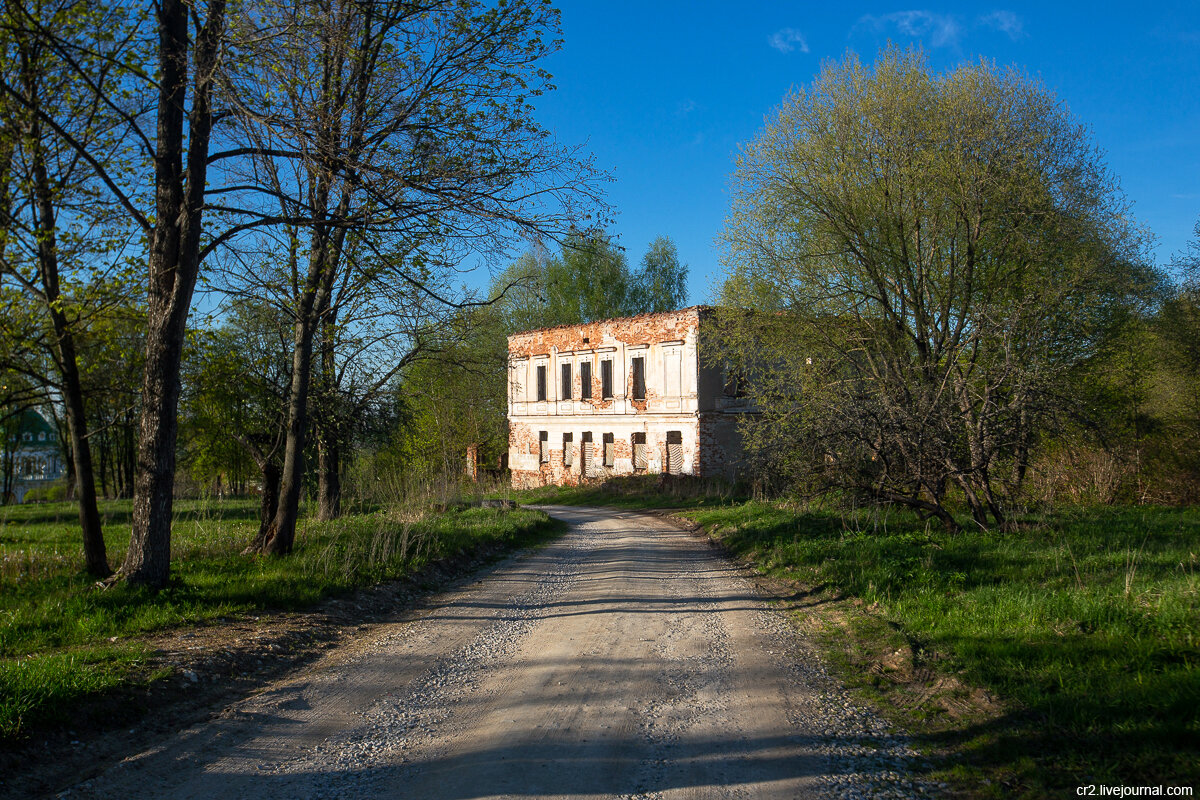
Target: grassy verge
{"points": [[63, 639], [1085, 627]]}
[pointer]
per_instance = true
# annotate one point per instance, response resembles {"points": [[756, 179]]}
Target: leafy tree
{"points": [[929, 257], [63, 242], [236, 379], [589, 281], [455, 395], [661, 284]]}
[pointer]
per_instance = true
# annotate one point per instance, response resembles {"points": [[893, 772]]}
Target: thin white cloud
{"points": [[940, 30], [685, 107], [1006, 22], [786, 40]]}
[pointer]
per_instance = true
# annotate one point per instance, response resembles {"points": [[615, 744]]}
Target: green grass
{"points": [[1086, 622], [640, 491], [56, 624]]}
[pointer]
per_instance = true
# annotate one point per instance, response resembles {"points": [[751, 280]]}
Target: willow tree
{"points": [[938, 253]]}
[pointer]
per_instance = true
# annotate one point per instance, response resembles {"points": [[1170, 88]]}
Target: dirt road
{"points": [[627, 659]]}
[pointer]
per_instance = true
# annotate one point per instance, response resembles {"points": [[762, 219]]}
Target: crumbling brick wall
{"points": [[667, 343]]}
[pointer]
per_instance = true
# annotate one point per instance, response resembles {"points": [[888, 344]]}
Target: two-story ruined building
{"points": [[619, 397]]}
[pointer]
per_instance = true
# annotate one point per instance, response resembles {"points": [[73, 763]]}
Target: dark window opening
{"points": [[568, 454], [606, 390], [735, 382], [566, 382], [541, 383], [585, 380], [610, 450], [638, 366], [544, 447]]}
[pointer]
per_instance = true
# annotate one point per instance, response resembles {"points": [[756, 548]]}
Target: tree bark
{"points": [[329, 429], [329, 462], [94, 555], [174, 265]]}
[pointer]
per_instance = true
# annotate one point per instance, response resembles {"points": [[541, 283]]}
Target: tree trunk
{"points": [[329, 463], [314, 304], [329, 429], [268, 506], [94, 555], [174, 265], [283, 527]]}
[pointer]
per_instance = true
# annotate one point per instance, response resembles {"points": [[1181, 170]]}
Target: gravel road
{"points": [[627, 659]]}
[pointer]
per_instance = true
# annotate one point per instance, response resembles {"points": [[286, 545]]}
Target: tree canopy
{"points": [[937, 253]]}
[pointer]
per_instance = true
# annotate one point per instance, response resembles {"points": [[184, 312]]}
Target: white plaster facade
{"points": [[679, 419]]}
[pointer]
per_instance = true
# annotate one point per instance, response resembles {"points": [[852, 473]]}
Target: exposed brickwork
{"points": [[680, 399]]}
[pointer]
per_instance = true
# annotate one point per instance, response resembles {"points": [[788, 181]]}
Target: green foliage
{"points": [[946, 250], [234, 382], [589, 281], [661, 285], [55, 622], [455, 395], [1087, 622]]}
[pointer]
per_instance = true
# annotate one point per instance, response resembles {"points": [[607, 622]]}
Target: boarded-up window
{"points": [[674, 452], [541, 383], [638, 368], [606, 379], [671, 366], [568, 449], [639, 450], [585, 380], [566, 382], [544, 447], [585, 454], [610, 450]]}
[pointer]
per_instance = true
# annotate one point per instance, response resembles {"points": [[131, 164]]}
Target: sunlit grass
{"points": [[1089, 620], [56, 623]]}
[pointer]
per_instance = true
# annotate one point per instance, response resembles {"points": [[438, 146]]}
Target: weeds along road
{"points": [[626, 659]]}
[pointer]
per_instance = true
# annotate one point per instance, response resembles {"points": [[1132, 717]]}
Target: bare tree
{"points": [[408, 124]]}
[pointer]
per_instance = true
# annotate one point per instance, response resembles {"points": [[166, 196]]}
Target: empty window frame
{"points": [[606, 389], [638, 367], [639, 450], [610, 450], [544, 447], [585, 380], [566, 382], [735, 382], [568, 449], [674, 452], [586, 456], [541, 383]]}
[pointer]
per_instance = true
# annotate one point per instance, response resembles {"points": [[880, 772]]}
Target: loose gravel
{"points": [[625, 660]]}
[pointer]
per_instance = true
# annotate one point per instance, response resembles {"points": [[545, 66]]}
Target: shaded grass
{"points": [[1085, 622], [56, 623]]}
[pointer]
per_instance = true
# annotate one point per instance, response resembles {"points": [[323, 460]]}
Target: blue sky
{"points": [[663, 94]]}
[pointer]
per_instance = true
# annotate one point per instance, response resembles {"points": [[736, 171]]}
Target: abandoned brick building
{"points": [[619, 397]]}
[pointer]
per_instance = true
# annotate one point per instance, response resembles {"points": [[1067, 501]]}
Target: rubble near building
{"points": [[620, 397]]}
